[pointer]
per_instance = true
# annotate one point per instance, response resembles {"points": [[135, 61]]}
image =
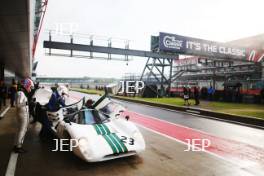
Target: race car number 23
{"points": [[125, 140]]}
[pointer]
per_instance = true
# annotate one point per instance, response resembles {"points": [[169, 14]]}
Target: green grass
{"points": [[251, 110], [88, 91], [243, 109], [171, 101]]}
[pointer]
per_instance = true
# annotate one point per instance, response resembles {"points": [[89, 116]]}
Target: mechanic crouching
{"points": [[22, 113], [56, 101]]}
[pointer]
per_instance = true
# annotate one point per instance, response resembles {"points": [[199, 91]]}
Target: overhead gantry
{"points": [[157, 67], [165, 48]]}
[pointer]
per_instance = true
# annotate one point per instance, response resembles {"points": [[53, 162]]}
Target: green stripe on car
{"points": [[121, 143], [106, 128], [116, 143], [110, 144], [101, 129], [112, 139], [97, 129], [118, 148]]}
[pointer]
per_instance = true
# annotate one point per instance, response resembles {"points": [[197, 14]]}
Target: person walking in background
{"points": [[186, 96], [196, 95], [211, 93], [189, 92], [3, 94], [12, 92]]}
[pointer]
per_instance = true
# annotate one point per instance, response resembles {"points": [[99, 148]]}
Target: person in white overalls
{"points": [[22, 113]]}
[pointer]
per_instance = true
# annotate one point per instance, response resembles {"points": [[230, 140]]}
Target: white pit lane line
{"points": [[4, 112], [11, 168]]}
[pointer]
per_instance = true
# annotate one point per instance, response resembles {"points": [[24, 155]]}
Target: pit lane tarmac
{"points": [[163, 156]]}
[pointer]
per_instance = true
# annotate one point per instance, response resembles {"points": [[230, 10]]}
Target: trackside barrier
{"points": [[244, 120]]}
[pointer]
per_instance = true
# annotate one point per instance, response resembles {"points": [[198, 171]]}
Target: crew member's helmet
{"points": [[62, 90], [27, 84]]}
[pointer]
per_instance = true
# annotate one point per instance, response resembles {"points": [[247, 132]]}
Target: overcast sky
{"points": [[137, 20]]}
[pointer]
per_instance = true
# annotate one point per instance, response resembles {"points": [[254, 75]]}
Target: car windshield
{"points": [[110, 107], [89, 117]]}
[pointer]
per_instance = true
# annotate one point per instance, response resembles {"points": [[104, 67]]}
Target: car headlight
{"points": [[83, 144]]}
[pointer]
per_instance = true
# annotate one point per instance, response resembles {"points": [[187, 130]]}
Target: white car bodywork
{"points": [[115, 137], [104, 145]]}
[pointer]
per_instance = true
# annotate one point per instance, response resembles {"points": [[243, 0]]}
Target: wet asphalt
{"points": [[163, 156]]}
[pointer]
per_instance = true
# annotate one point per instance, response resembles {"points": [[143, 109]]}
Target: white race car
{"points": [[101, 132]]}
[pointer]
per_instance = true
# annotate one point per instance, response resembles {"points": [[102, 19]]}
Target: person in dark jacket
{"points": [[186, 96], [3, 94], [55, 101], [53, 105], [12, 92], [196, 95], [211, 92]]}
